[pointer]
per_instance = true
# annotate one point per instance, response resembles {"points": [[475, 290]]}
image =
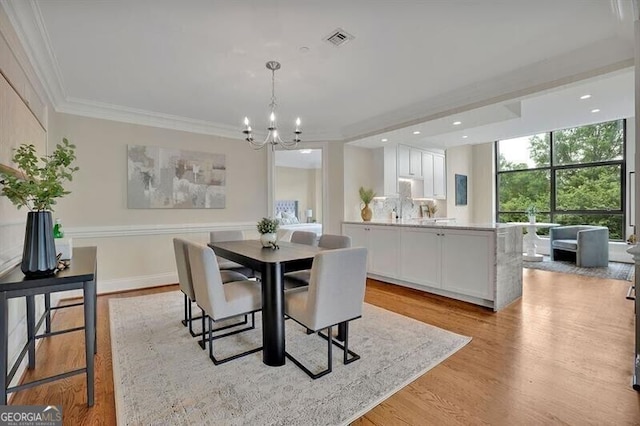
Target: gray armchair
{"points": [[589, 243]]}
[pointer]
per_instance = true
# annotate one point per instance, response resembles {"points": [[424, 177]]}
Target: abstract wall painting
{"points": [[461, 190], [165, 178]]}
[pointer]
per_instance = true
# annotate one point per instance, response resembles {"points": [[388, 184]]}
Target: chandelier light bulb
{"points": [[272, 117], [246, 121]]}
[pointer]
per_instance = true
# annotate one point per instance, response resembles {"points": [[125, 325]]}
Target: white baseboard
{"points": [[130, 283]]}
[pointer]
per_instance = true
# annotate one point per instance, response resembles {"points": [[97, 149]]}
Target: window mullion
{"points": [[552, 180]]}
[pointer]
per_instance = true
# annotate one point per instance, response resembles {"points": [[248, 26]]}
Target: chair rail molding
{"points": [[158, 229]]}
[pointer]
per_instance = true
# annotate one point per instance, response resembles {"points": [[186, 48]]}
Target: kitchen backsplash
{"points": [[384, 208]]}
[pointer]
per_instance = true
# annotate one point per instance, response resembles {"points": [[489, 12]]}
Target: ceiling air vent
{"points": [[339, 37]]}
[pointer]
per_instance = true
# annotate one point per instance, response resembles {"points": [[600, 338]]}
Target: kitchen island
{"points": [[476, 263]]}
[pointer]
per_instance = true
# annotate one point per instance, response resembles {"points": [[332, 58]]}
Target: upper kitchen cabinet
{"points": [[409, 162], [386, 172], [433, 170]]}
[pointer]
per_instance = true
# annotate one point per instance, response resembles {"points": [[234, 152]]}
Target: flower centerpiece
{"points": [[366, 196], [36, 185], [267, 228], [531, 213]]}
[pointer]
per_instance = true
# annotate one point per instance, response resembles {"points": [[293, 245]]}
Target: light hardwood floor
{"points": [[562, 354]]}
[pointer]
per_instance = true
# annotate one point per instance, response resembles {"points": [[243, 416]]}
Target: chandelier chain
{"points": [[273, 90]]}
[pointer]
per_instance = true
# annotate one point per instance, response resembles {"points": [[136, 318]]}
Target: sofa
{"points": [[588, 244]]}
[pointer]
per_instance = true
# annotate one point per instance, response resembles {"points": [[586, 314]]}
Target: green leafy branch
{"points": [[40, 180], [366, 195]]}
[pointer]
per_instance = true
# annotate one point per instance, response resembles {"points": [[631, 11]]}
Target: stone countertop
{"points": [[436, 223]]}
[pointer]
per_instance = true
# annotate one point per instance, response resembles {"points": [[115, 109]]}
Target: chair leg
{"points": [[204, 332], [345, 346], [231, 358], [346, 351], [329, 368], [191, 321], [186, 316]]}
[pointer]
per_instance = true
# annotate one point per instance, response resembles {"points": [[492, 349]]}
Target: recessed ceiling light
{"points": [[464, 136], [384, 140], [595, 110], [305, 151], [457, 123], [417, 132], [304, 49], [585, 96]]}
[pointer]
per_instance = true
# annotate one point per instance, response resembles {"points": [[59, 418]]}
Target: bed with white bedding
{"points": [[287, 213]]}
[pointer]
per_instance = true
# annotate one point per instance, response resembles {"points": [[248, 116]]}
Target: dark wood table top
{"points": [[81, 269], [252, 249]]}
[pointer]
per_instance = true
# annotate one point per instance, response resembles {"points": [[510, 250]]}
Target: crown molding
{"points": [[28, 23], [105, 111], [123, 114]]}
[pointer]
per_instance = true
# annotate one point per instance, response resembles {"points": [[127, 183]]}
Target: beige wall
{"points": [[459, 161], [299, 184], [134, 245], [483, 177], [333, 210], [476, 162], [358, 171], [99, 190]]}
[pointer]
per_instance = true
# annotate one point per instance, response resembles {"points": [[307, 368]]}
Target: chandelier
{"points": [[273, 138]]}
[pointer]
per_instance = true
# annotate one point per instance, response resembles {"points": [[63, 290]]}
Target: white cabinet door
{"points": [[409, 162], [427, 174], [420, 256], [359, 237], [415, 163], [384, 249], [439, 177], [385, 169], [468, 262], [404, 161], [358, 233]]}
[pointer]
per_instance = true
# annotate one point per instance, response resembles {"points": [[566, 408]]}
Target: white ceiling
{"points": [[199, 65]]}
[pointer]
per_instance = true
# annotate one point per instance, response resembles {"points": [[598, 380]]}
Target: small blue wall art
{"points": [[461, 190]]}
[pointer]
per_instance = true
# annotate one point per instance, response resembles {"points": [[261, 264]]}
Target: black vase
{"points": [[39, 253]]}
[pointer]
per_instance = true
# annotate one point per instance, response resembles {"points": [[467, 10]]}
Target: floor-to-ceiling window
{"points": [[571, 176]]}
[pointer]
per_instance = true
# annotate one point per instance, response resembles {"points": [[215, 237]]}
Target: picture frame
{"points": [[461, 190]]}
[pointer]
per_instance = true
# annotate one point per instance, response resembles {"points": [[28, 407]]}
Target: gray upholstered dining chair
{"points": [[304, 237], [298, 279], [186, 283], [335, 295], [332, 242], [589, 244], [226, 264], [220, 302]]}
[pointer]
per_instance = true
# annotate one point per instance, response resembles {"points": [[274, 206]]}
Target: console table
{"points": [[81, 274]]}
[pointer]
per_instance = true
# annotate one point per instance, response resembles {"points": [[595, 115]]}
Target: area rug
{"points": [[161, 376], [616, 270]]}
